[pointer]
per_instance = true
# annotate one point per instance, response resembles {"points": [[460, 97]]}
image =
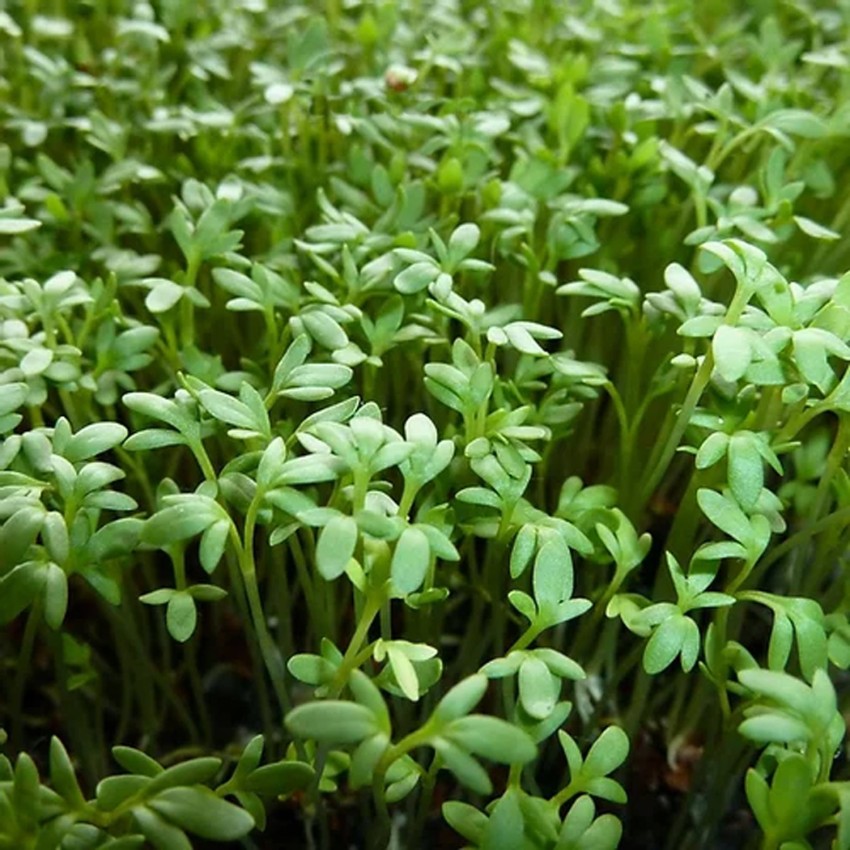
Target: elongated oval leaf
{"points": [[665, 644], [608, 752], [538, 688], [491, 737], [199, 811], [332, 722], [192, 772], [410, 561], [181, 616], [461, 699], [732, 351], [179, 522], [19, 588], [467, 769], [160, 833], [553, 572], [726, 515], [281, 778], [336, 545]]}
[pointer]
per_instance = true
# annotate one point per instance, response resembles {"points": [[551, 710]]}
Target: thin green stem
{"points": [[22, 672], [698, 385], [423, 809], [839, 519], [187, 308], [371, 608], [318, 614], [146, 671], [268, 648]]}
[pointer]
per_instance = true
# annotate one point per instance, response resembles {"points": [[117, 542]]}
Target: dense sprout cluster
{"points": [[449, 401]]}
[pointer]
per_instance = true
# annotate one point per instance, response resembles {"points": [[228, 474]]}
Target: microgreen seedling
{"points": [[424, 418]]}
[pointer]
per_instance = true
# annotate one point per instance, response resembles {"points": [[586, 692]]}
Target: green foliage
{"points": [[148, 803], [424, 386]]}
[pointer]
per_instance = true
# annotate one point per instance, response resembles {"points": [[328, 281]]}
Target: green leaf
{"points": [[560, 664], [404, 672], [321, 379], [324, 329], [665, 644], [36, 361], [725, 514], [466, 820], [294, 356], [605, 789], [12, 396], [781, 640], [578, 820], [336, 546], [797, 122], [746, 472], [16, 226], [192, 772], [159, 832], [815, 230], [415, 278], [332, 722], [63, 777], [157, 597], [153, 438], [206, 592], [199, 811], [682, 283], [283, 777], [135, 761], [55, 595], [410, 562], [524, 604], [463, 242], [812, 646], [249, 761], [712, 450], [603, 834], [180, 522], [492, 738], [812, 347], [757, 796], [227, 409], [774, 728], [732, 352], [311, 669], [54, 535], [786, 690], [525, 543], [163, 295], [18, 533], [213, 543], [553, 572], [156, 407], [310, 469], [367, 693], [18, 589], [608, 752], [461, 699], [181, 616], [114, 790], [538, 688], [467, 769], [94, 440], [365, 758], [505, 828], [791, 785]]}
